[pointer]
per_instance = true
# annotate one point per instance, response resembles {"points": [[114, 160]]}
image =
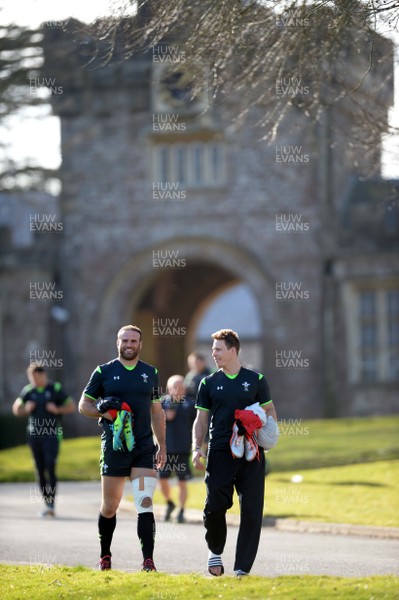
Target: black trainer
{"points": [[148, 565], [180, 517], [105, 563], [170, 508]]}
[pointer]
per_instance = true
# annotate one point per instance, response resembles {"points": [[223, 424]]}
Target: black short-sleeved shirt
{"points": [[138, 386], [41, 422], [192, 381], [179, 429], [222, 394]]}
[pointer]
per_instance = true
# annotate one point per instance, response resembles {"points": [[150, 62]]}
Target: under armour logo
{"points": [[246, 386], [116, 377], [219, 387], [145, 377]]}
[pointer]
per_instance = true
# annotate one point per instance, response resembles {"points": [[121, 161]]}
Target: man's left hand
{"points": [[52, 408], [160, 457]]}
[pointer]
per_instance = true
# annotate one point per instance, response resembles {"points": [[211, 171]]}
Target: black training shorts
{"points": [[117, 463]]}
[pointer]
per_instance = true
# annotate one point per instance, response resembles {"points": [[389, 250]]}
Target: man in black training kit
{"points": [[44, 403], [230, 388], [125, 394]]}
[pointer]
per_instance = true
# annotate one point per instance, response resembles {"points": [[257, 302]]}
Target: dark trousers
{"points": [[223, 474], [45, 452]]}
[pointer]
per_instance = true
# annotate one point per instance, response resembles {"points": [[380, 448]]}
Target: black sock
{"points": [[146, 533], [106, 529]]}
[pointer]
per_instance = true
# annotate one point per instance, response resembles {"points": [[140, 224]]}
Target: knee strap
{"points": [[143, 492]]}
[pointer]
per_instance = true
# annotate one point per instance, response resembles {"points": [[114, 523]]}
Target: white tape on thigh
{"points": [[143, 493]]}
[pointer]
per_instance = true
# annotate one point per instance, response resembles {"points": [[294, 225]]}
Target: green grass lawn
{"points": [[332, 442], [35, 583], [78, 461], [304, 445], [364, 494]]}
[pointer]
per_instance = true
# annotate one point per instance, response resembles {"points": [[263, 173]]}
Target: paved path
{"points": [[71, 539]]}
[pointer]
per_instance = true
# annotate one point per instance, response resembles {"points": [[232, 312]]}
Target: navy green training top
{"points": [[222, 394], [41, 422], [138, 386], [179, 429]]}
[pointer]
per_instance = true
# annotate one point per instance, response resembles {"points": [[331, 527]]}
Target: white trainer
{"points": [[47, 512], [251, 448], [237, 443]]}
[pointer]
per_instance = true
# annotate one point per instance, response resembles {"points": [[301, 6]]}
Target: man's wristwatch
{"points": [[197, 449]]}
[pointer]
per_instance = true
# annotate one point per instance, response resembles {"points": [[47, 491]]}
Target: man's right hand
{"points": [[29, 406], [105, 404], [197, 455]]}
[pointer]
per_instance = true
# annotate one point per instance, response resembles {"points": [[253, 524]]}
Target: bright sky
{"points": [[39, 139], [35, 12]]}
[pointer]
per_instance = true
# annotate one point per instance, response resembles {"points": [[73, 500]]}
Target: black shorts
{"points": [[179, 464], [116, 463]]}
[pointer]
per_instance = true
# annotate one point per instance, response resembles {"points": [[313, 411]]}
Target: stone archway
{"points": [[142, 293]]}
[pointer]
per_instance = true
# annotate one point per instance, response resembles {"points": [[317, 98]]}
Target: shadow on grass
{"points": [[271, 520], [365, 483], [30, 518], [348, 483]]}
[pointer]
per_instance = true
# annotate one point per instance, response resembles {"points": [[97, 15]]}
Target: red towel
{"points": [[249, 420], [113, 412]]}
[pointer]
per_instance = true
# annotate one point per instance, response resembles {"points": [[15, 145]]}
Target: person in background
{"points": [[180, 414], [44, 403], [198, 369]]}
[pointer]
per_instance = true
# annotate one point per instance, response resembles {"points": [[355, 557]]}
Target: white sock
{"points": [[214, 560]]}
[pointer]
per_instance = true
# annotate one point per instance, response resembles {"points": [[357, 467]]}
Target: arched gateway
{"points": [[153, 290]]}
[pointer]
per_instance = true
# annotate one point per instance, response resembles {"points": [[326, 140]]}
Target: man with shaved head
{"points": [[180, 415]]}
